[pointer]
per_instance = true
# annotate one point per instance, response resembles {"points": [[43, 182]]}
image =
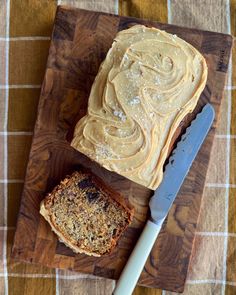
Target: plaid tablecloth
{"points": [[25, 27]]}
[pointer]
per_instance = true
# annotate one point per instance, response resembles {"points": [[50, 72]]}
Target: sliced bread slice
{"points": [[87, 215]]}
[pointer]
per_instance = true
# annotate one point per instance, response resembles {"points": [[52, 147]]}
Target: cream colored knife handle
{"points": [[137, 259]]}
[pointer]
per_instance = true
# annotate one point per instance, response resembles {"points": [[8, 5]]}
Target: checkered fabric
{"points": [[25, 28]]}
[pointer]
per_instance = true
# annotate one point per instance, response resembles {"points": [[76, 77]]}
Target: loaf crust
{"points": [[104, 191]]}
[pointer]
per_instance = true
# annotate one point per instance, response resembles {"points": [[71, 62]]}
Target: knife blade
{"points": [[175, 172]]}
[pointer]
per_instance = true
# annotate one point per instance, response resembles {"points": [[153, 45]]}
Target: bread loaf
{"points": [[149, 81]]}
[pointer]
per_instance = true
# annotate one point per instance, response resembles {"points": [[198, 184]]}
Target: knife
{"points": [[160, 203]]}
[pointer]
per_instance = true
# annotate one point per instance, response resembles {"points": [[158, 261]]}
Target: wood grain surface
{"points": [[80, 41]]}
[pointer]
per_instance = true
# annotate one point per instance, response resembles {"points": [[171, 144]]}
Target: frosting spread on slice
{"points": [[149, 81]]}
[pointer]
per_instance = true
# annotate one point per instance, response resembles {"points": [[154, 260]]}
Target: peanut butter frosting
{"points": [[149, 81]]}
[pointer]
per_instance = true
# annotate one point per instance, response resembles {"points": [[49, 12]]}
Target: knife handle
{"points": [[137, 259]]}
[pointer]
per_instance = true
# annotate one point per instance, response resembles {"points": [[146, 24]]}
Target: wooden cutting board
{"points": [[80, 41]]}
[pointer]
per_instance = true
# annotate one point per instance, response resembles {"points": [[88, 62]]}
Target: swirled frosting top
{"points": [[149, 81]]}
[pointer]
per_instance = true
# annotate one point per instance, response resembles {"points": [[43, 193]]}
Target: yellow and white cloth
{"points": [[25, 28]]}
